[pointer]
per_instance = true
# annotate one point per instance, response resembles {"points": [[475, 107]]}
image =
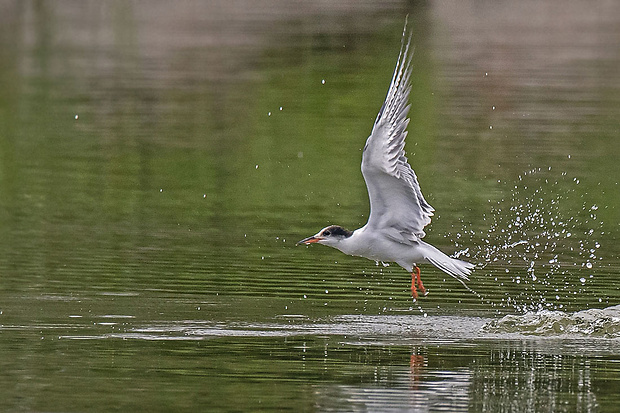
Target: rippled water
{"points": [[158, 164]]}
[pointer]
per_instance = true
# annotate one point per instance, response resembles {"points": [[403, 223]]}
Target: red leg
{"points": [[418, 280], [414, 291]]}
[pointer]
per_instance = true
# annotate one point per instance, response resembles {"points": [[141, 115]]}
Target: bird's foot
{"points": [[416, 283]]}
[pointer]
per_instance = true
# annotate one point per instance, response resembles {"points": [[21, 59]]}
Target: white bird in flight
{"points": [[398, 210]]}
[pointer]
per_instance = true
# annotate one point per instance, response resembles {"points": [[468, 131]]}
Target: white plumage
{"points": [[398, 210]]}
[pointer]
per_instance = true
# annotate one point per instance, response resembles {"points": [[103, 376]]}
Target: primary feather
{"points": [[397, 205]]}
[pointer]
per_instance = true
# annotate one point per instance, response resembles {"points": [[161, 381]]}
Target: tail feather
{"points": [[457, 268]]}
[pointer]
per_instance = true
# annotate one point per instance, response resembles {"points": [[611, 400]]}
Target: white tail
{"points": [[455, 267]]}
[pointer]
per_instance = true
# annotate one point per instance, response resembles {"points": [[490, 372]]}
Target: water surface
{"points": [[158, 164]]}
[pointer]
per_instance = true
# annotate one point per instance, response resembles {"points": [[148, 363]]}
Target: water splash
{"points": [[542, 240], [591, 323]]}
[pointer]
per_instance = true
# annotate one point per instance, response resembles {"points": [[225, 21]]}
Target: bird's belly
{"points": [[388, 251]]}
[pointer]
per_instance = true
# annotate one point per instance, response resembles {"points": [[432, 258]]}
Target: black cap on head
{"points": [[337, 231]]}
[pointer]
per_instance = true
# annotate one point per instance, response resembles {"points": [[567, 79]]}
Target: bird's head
{"points": [[330, 236]]}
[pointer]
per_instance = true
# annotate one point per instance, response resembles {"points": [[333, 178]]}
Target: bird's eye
{"points": [[326, 233]]}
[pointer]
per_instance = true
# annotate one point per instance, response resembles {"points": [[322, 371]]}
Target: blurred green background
{"points": [[159, 162]]}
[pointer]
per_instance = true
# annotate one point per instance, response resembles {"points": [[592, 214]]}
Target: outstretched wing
{"points": [[397, 207]]}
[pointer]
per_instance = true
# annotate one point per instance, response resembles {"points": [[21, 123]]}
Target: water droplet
{"points": [[323, 81]]}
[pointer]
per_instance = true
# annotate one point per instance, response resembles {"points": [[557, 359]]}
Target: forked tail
{"points": [[455, 267]]}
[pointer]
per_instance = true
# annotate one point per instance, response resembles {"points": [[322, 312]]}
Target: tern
{"points": [[398, 210]]}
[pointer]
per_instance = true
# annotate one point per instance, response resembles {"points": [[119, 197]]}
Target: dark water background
{"points": [[158, 162]]}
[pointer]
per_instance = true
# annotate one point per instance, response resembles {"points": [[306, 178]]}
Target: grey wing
{"points": [[397, 206]]}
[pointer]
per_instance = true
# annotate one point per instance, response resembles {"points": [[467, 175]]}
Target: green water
{"points": [[159, 162]]}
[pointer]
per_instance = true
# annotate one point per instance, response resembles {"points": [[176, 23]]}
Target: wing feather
{"points": [[397, 206]]}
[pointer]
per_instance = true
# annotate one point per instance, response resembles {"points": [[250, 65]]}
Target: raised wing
{"points": [[397, 207]]}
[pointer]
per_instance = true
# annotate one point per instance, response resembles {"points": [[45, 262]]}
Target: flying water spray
{"points": [[542, 243]]}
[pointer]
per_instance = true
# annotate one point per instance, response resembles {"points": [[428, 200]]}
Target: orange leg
{"points": [[414, 291], [416, 280]]}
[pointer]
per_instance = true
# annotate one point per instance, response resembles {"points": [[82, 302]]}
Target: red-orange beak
{"points": [[309, 240]]}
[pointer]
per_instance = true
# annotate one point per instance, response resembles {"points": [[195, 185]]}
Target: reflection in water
{"points": [[356, 363], [370, 366], [521, 378], [510, 378], [416, 367], [436, 391]]}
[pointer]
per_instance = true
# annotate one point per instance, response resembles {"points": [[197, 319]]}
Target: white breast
{"points": [[374, 246]]}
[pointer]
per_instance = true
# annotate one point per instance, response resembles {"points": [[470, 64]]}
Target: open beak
{"points": [[309, 240]]}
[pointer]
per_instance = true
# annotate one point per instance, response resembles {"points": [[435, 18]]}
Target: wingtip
{"points": [[405, 31]]}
